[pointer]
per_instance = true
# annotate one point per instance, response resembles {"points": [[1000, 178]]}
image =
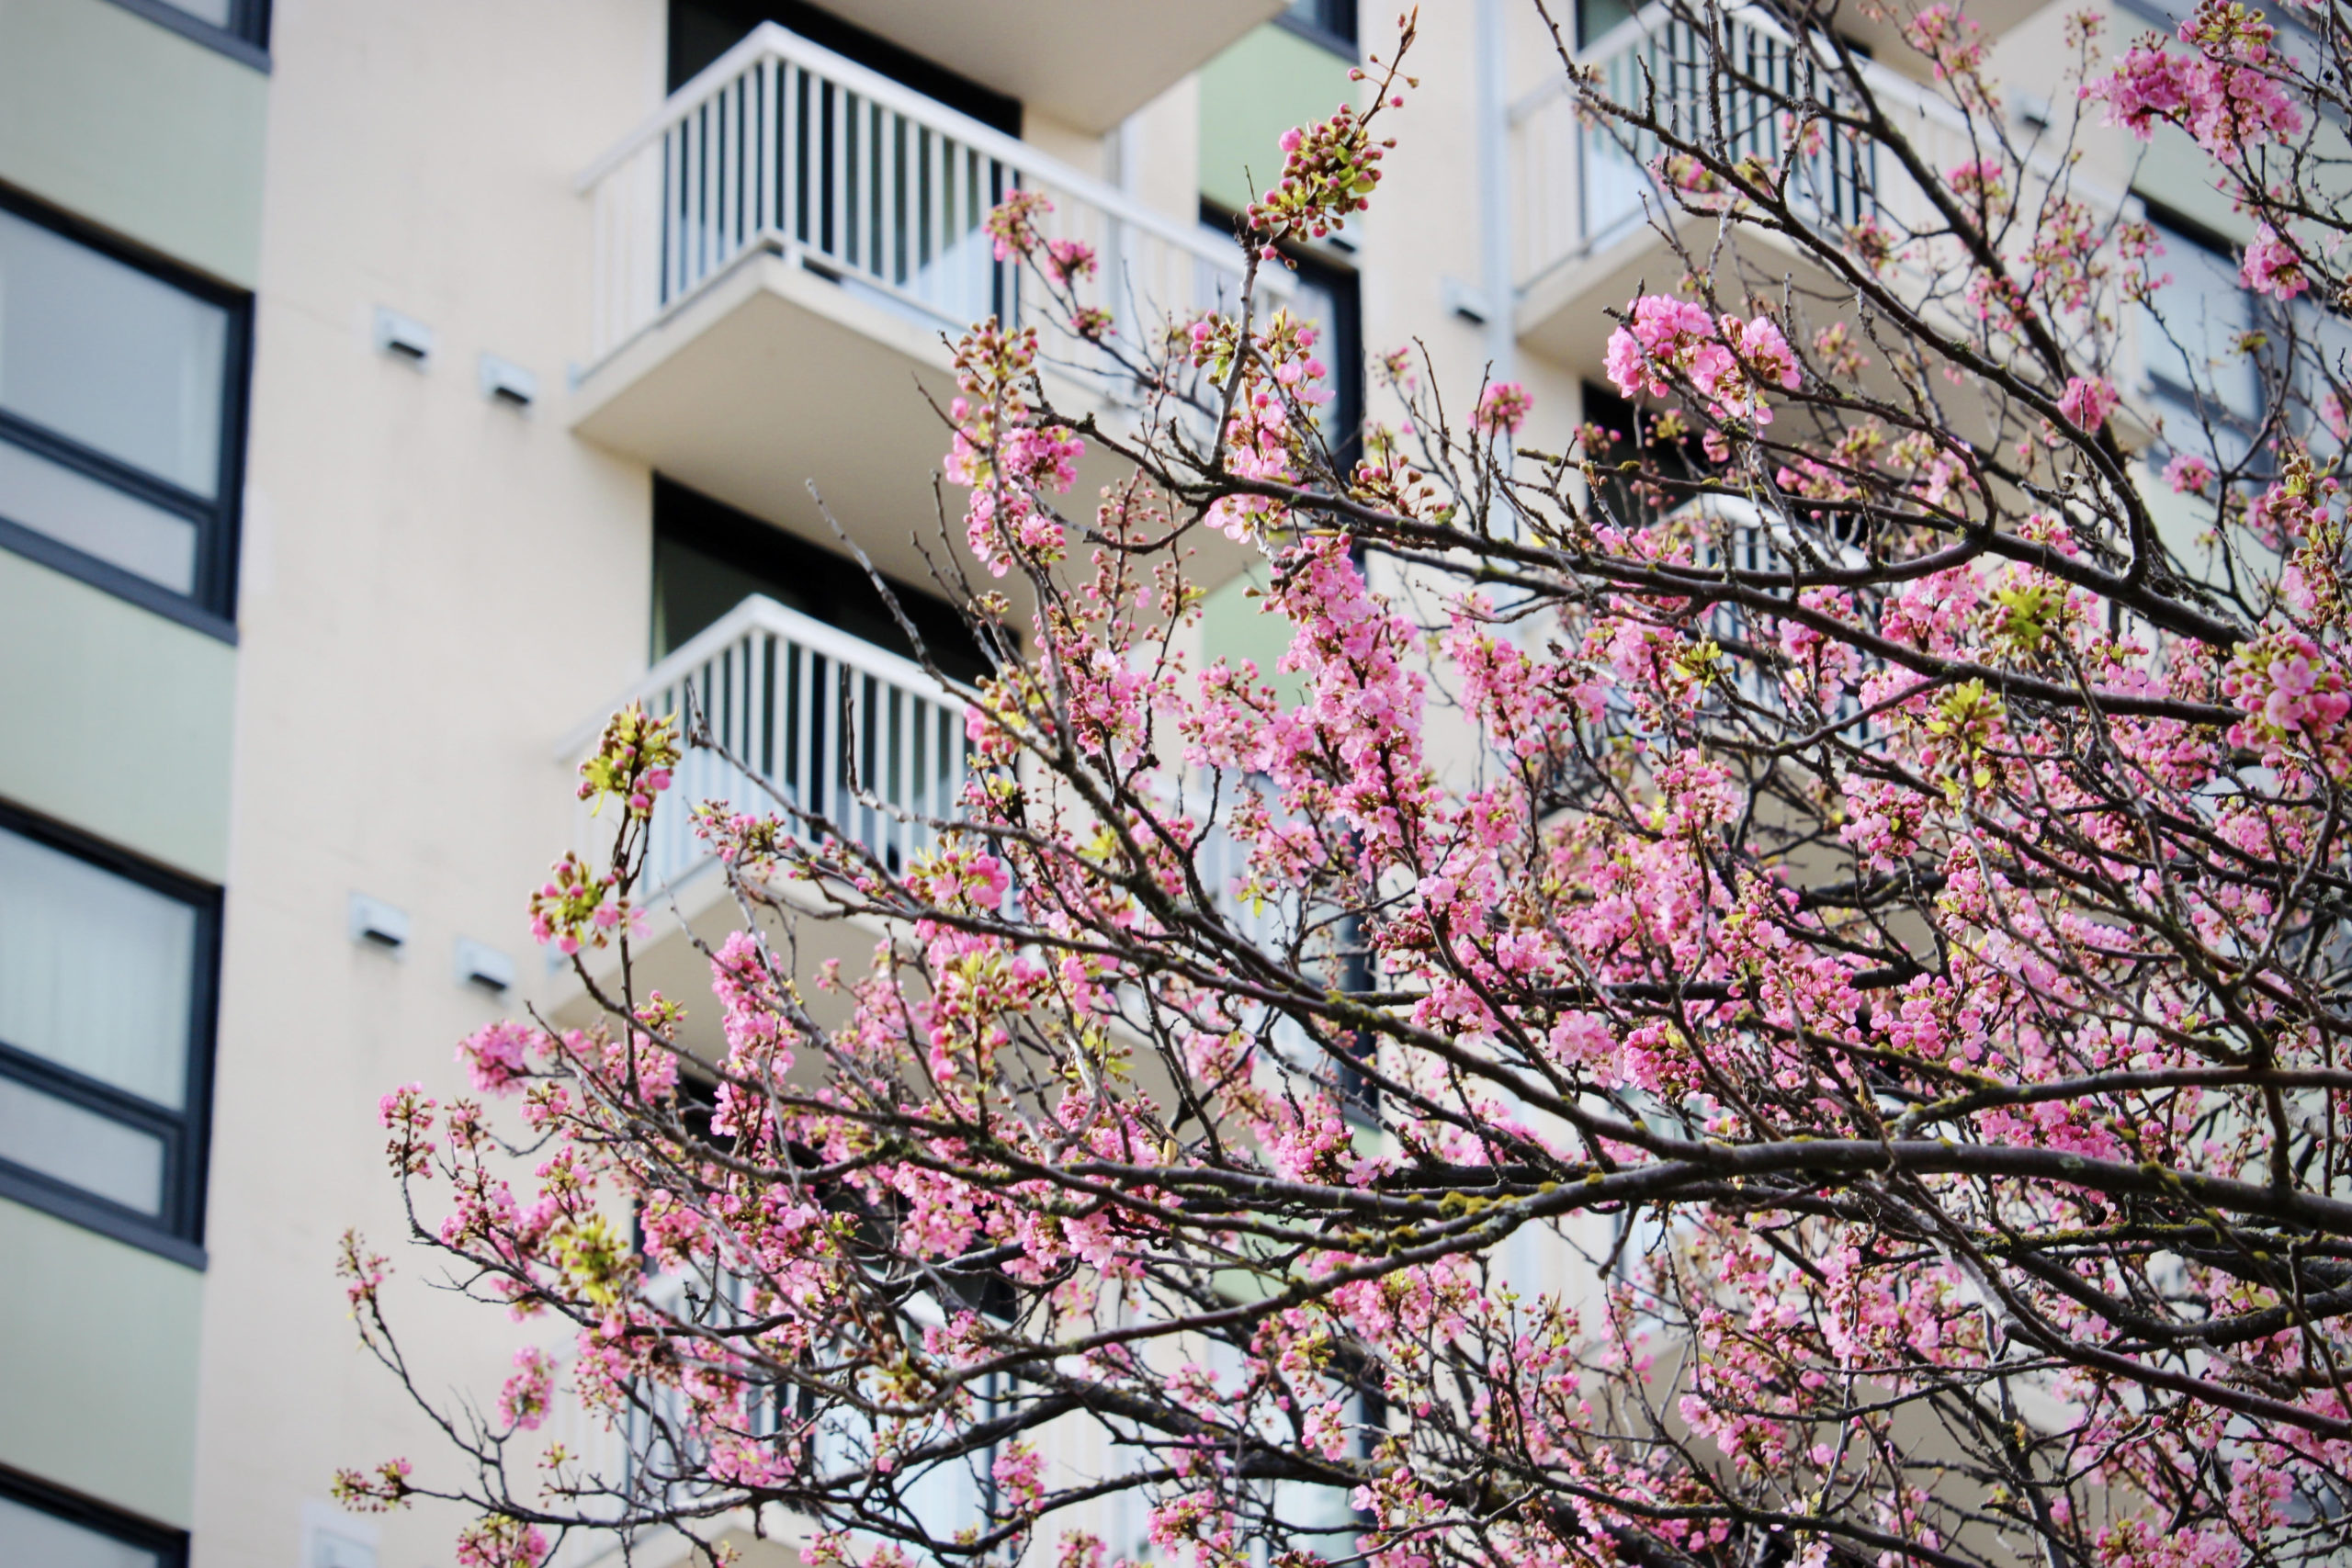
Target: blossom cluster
{"points": [[2225, 91], [1729, 361], [1003, 453]]}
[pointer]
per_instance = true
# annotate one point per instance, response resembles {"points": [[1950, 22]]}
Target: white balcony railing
{"points": [[786, 147], [825, 720], [1577, 186]]}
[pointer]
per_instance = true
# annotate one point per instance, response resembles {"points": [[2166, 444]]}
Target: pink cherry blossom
{"points": [[2189, 474], [2271, 266], [2087, 401]]}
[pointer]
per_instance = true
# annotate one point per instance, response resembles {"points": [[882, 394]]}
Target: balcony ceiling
{"points": [[1563, 316], [1882, 35], [774, 379], [667, 959], [1089, 62]]}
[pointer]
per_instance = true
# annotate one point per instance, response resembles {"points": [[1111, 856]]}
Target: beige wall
{"points": [[436, 588], [134, 128], [1159, 152], [98, 1381]]}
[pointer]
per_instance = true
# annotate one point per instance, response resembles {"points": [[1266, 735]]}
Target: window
{"points": [[709, 558], [1618, 431], [121, 392], [702, 31], [239, 28], [2189, 337], [1597, 18], [107, 978], [43, 1527], [1331, 23], [1327, 295]]}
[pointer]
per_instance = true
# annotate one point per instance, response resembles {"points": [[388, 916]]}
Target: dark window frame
{"points": [[1345, 353], [169, 1545], [211, 607], [177, 1232], [245, 39], [1334, 26]]}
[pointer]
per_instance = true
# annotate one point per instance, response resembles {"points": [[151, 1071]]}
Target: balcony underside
{"points": [[1882, 35], [1564, 315], [698, 909], [1086, 63], [774, 377]]}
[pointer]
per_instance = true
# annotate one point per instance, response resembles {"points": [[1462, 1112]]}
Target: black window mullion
{"points": [[91, 1094], [217, 559], [170, 1128], [68, 453]]}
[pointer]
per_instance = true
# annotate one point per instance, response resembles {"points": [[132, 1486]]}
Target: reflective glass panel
{"points": [[106, 354], [95, 971], [74, 1144], [35, 1539]]}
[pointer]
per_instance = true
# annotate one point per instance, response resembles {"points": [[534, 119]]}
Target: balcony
{"points": [[780, 257], [817, 716], [810, 713], [1088, 63], [1586, 205]]}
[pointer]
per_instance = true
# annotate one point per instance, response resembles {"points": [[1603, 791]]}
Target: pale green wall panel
{"points": [[135, 128], [1236, 624], [118, 720], [97, 1381], [1251, 94]]}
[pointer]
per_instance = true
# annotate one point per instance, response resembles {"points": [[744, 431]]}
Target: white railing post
{"points": [[1578, 186], [775, 687]]}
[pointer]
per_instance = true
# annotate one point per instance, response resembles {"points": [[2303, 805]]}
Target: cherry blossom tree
{"points": [[1761, 988]]}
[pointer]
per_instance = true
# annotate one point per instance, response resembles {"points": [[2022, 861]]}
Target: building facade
{"points": [[387, 390]]}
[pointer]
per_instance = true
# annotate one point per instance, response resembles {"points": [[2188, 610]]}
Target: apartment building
{"points": [[388, 390]]}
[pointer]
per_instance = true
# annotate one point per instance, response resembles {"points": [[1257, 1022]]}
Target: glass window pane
{"points": [[77, 1145], [97, 519], [693, 588], [95, 971], [2189, 338], [38, 1539], [104, 354]]}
